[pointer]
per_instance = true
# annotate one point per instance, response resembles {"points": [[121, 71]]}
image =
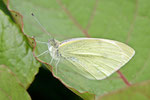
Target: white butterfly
{"points": [[94, 58]]}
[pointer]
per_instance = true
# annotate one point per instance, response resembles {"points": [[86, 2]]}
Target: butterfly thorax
{"points": [[53, 48]]}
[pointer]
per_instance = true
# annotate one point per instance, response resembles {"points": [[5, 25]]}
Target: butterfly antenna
{"points": [[40, 24]]}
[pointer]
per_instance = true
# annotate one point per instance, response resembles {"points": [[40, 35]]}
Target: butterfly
{"points": [[94, 58]]}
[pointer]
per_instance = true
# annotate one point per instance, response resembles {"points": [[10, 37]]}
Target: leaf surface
{"points": [[15, 52], [10, 86], [125, 21], [138, 91]]}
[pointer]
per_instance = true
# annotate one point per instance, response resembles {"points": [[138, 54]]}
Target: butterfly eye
{"points": [[53, 40]]}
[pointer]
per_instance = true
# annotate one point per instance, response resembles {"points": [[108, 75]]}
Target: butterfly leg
{"points": [[57, 65], [42, 53], [57, 62], [51, 60], [52, 57], [41, 42]]}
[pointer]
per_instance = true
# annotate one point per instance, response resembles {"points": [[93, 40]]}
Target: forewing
{"points": [[96, 58]]}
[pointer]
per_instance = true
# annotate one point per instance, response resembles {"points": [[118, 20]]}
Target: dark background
{"points": [[46, 87]]}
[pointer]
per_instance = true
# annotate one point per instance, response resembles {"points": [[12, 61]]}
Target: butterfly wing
{"points": [[96, 58]]}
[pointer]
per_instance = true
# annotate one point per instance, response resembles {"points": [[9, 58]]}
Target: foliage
{"points": [[126, 21]]}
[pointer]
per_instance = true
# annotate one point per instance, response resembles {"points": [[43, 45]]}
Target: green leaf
{"points": [[15, 52], [10, 87], [138, 91], [125, 21]]}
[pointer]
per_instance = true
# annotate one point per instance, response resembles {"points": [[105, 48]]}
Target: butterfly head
{"points": [[54, 43]]}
